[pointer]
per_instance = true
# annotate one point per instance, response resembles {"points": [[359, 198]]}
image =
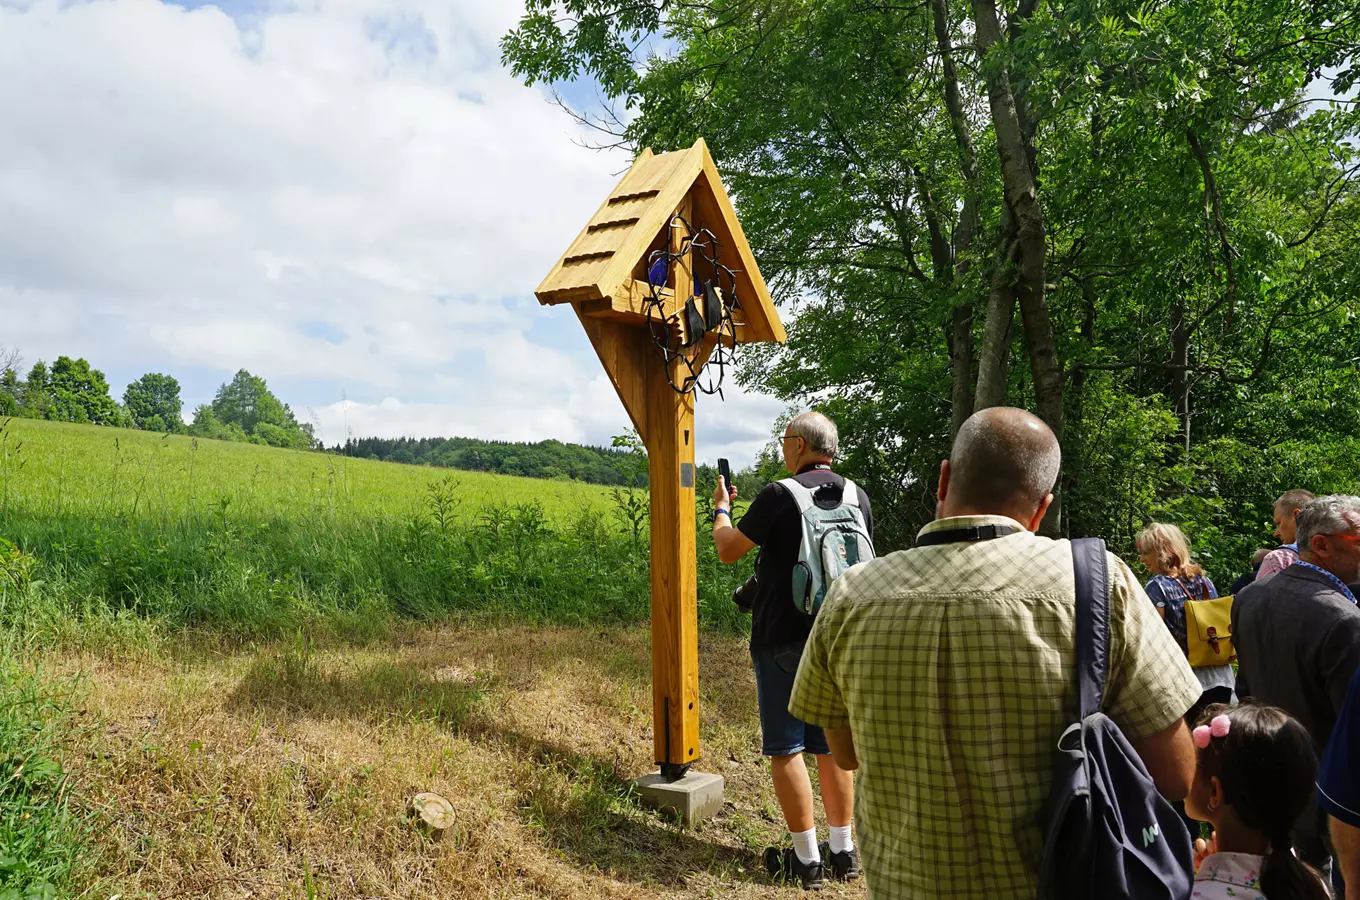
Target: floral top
{"points": [[1229, 875]]}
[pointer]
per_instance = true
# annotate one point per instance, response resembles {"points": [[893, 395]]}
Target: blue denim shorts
{"points": [[780, 733]]}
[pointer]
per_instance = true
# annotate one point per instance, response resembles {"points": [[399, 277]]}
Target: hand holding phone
{"points": [[725, 473]]}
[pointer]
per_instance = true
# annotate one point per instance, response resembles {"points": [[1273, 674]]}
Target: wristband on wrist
{"points": [[722, 512]]}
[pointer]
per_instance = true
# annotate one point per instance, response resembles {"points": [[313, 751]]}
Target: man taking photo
{"points": [[778, 631]]}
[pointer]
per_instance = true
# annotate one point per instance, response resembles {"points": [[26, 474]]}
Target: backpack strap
{"points": [[850, 497], [801, 495], [1091, 572]]}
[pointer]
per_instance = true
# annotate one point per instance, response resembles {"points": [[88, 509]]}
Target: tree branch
{"points": [[1213, 211]]}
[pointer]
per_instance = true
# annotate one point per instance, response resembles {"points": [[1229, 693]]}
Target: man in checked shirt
{"points": [[946, 673]]}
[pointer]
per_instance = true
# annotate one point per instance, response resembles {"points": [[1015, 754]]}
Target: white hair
{"points": [[1333, 514], [817, 430]]}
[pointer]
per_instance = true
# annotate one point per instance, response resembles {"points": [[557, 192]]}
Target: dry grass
{"points": [[283, 770]]}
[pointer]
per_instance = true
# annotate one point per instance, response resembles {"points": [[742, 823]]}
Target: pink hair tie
{"points": [[1218, 727]]}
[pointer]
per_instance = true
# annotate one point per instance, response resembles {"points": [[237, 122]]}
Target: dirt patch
{"points": [[284, 770]]}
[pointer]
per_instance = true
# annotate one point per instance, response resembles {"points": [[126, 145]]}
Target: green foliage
{"points": [[545, 459], [259, 540], [37, 392], [79, 393], [246, 402], [40, 837], [244, 409], [1199, 203], [11, 392], [153, 403]]}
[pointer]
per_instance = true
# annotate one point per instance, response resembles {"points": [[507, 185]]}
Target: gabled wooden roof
{"points": [[600, 264]]}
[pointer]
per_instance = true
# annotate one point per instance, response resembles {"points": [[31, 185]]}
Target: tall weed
{"points": [[40, 836]]}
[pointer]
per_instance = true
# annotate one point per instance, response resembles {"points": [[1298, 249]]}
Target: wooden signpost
{"points": [[638, 275]]}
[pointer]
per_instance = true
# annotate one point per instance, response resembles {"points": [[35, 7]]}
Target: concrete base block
{"points": [[695, 797]]}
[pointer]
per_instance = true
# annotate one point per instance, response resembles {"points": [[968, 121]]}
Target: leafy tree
{"points": [[207, 425], [1156, 189], [37, 392], [80, 393], [246, 401], [11, 392], [153, 403], [244, 409]]}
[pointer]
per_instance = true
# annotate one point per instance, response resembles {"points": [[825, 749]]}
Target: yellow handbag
{"points": [[1208, 632]]}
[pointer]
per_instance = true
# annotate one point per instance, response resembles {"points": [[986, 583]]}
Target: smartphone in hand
{"points": [[725, 471]]}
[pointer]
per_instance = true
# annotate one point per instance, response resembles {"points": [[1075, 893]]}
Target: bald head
{"points": [[1004, 460]]}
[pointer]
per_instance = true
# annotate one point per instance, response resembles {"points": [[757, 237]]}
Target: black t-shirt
{"points": [[773, 524]]}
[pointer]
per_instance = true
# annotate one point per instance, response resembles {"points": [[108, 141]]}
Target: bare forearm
{"points": [[731, 544], [1346, 840]]}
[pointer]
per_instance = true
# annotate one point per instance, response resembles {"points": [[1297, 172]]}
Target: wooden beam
{"points": [[628, 303], [675, 599], [626, 353]]}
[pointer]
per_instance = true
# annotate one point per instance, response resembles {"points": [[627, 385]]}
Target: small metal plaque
{"points": [[687, 475]]}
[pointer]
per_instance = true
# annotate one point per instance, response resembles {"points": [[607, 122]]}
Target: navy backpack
{"points": [[1108, 833]]}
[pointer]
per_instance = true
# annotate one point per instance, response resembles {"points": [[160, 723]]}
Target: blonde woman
{"points": [[1176, 578]]}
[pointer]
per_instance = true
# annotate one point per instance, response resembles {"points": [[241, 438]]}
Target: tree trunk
{"points": [[1022, 198], [1076, 424], [961, 321], [994, 360], [1180, 372]]}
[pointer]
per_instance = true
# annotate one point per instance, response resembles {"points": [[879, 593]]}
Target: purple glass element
{"points": [[656, 275]]}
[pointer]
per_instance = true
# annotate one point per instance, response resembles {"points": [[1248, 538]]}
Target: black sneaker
{"points": [[786, 866], [843, 866]]}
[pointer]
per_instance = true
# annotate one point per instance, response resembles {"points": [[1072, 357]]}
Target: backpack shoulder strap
{"points": [[801, 495], [850, 495], [1091, 571]]}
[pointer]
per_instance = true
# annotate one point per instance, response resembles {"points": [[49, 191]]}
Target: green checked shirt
{"points": [[953, 666]]}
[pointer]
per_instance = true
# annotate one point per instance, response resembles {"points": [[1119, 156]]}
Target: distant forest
{"points": [[545, 459]]}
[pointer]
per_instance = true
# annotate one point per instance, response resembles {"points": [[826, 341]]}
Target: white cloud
{"points": [[343, 195]]}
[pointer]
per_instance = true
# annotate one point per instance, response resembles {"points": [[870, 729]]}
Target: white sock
{"points": [[840, 839], [805, 845]]}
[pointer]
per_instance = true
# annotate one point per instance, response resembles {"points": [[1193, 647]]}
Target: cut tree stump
{"points": [[431, 813]]}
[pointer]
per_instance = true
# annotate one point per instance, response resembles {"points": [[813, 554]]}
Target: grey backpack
{"points": [[833, 541]]}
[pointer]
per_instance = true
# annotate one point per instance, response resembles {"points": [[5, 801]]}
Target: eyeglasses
{"points": [[792, 437], [1344, 537]]}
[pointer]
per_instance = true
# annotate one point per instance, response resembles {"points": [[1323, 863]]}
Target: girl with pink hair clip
{"points": [[1255, 774]]}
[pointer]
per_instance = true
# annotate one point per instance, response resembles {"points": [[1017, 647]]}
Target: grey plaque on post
{"points": [[687, 475]]}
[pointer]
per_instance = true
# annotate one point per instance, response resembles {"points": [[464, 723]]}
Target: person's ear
{"points": [[1215, 800], [1040, 512], [943, 489]]}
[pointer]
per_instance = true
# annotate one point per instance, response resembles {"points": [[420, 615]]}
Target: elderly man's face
{"points": [[1339, 553]]}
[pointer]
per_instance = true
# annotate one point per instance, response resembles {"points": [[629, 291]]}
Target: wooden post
{"points": [[675, 592], [675, 599]]}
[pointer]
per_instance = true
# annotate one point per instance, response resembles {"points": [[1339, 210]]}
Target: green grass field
{"points": [[258, 540], [56, 469]]}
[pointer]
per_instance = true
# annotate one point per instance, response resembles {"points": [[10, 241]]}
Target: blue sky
{"points": [[351, 199]]}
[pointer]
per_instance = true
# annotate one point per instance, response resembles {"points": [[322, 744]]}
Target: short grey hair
{"points": [[1333, 514], [817, 430], [1002, 455]]}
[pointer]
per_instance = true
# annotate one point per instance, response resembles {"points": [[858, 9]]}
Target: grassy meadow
{"points": [[225, 667], [256, 540]]}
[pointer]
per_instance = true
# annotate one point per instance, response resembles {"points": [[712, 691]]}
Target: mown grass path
{"points": [[282, 770]]}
